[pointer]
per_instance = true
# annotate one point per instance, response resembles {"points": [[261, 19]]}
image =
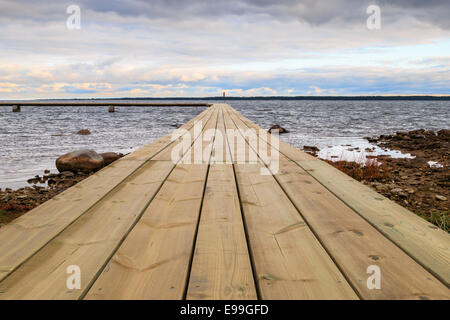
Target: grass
{"points": [[440, 218], [370, 170]]}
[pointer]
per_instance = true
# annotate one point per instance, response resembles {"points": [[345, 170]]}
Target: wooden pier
{"points": [[16, 105], [145, 227]]}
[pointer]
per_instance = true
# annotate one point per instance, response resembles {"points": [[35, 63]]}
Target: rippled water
{"points": [[33, 139]]}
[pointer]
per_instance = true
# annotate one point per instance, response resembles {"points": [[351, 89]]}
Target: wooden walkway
{"points": [[148, 228]]}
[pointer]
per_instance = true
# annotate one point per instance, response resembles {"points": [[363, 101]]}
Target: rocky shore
{"points": [[73, 167], [421, 184]]}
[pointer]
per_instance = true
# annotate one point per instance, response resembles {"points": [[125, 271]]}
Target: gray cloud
{"points": [[309, 11]]}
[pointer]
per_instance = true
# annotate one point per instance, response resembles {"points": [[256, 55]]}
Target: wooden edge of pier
{"points": [[103, 103], [161, 224]]}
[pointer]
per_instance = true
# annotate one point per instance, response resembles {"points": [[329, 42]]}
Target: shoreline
{"points": [[419, 183]]}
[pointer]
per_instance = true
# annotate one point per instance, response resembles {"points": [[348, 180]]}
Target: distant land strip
{"points": [[287, 98]]}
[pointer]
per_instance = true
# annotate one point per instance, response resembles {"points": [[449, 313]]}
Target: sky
{"points": [[197, 48]]}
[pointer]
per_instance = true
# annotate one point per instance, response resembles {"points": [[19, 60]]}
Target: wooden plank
{"points": [[240, 151], [424, 242], [88, 242], [289, 261], [108, 103], [199, 126], [23, 237], [159, 146], [153, 261], [285, 148], [354, 244], [221, 268], [427, 244]]}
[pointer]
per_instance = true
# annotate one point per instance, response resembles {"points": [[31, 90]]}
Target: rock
{"points": [[84, 132], [277, 127], [311, 148], [441, 198], [371, 139], [80, 160], [109, 157], [397, 190], [418, 162], [33, 181], [444, 134], [67, 174]]}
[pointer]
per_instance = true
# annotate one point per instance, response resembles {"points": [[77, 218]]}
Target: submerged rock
{"points": [[84, 132], [80, 160], [279, 128]]}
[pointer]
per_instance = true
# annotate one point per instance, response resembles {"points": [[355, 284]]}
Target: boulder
{"points": [[279, 128], [84, 132], [110, 157], [80, 160]]}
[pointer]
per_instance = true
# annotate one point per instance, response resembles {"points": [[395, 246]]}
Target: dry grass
{"points": [[370, 170]]}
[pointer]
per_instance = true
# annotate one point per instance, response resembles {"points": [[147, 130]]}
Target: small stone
{"points": [[441, 198], [84, 132], [67, 174]]}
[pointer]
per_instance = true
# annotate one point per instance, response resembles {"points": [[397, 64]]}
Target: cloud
{"points": [[200, 47]]}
